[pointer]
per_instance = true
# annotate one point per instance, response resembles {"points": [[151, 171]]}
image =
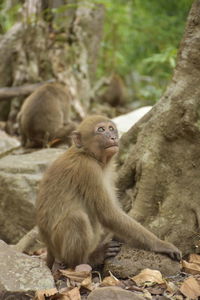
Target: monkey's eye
{"points": [[111, 128], [100, 129]]}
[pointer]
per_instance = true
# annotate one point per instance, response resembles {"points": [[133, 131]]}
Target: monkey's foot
{"points": [[113, 249], [104, 251]]}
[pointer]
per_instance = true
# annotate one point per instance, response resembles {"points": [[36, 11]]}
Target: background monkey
{"points": [[77, 202], [44, 116], [114, 92]]}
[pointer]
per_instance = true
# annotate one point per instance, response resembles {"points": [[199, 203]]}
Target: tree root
{"points": [[28, 241]]}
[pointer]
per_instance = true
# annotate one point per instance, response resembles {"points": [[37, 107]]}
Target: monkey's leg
{"points": [[23, 140], [45, 139], [36, 141], [72, 239], [50, 258], [63, 134]]}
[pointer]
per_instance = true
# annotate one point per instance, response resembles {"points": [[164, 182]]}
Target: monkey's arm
{"points": [[129, 230]]}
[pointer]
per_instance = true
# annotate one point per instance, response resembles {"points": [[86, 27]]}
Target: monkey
{"points": [[77, 206], [44, 117], [114, 93]]}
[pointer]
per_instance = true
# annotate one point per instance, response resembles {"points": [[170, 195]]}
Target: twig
{"points": [[24, 90], [27, 241]]}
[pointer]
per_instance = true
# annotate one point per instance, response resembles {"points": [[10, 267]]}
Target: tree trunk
{"points": [[40, 48], [159, 176]]}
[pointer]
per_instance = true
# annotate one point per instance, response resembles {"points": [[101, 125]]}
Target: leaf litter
{"points": [[77, 284]]}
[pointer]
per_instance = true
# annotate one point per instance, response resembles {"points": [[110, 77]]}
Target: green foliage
{"points": [[8, 15], [141, 39]]}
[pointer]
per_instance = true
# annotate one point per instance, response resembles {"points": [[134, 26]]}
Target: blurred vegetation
{"points": [[141, 39], [9, 13]]}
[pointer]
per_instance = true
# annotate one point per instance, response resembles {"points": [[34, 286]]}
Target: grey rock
{"points": [[27, 295], [130, 262], [7, 143], [115, 293], [19, 179], [20, 272], [126, 121]]}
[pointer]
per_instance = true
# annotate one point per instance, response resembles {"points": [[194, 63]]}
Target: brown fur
{"points": [[44, 116], [77, 202], [114, 93]]}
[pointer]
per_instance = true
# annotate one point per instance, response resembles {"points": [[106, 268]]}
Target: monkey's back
{"points": [[44, 112], [64, 186]]}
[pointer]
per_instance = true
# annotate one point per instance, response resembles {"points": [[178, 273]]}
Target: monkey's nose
{"points": [[114, 139]]}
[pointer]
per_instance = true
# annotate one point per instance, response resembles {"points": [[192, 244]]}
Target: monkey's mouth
{"points": [[110, 146]]}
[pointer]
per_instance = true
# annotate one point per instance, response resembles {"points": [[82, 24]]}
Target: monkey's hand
{"points": [[169, 249]]}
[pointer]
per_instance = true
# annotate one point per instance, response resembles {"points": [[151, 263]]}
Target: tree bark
{"points": [[28, 241], [24, 90], [159, 173], [38, 49]]}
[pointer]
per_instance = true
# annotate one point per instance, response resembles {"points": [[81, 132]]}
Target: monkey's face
{"points": [[104, 140], [98, 136], [107, 135]]}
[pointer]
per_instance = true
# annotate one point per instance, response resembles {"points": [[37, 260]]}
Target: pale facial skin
{"points": [[101, 143], [107, 135]]}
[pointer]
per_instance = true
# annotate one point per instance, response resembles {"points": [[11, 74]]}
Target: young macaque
{"points": [[44, 117], [114, 93], [77, 206]]}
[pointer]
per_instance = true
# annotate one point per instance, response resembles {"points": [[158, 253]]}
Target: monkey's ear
{"points": [[76, 136]]}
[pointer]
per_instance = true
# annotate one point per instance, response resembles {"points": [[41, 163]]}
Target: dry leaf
{"points": [[110, 281], [147, 295], [191, 268], [194, 258], [83, 268], [40, 295], [156, 290], [76, 276], [171, 287], [73, 294], [190, 288], [88, 284], [148, 275], [86, 281], [54, 142]]}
